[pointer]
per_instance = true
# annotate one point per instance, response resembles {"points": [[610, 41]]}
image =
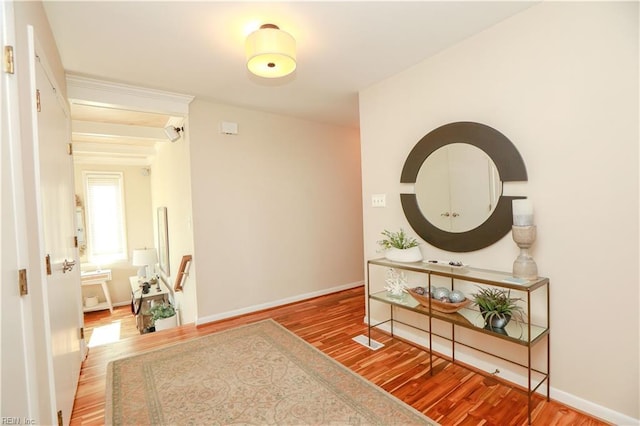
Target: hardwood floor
{"points": [[454, 395]]}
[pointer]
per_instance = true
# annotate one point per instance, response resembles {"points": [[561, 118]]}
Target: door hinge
{"points": [[47, 262], [38, 104], [70, 149], [60, 420], [8, 60], [22, 282], [81, 333], [75, 242]]}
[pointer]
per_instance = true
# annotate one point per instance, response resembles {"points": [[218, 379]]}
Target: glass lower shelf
{"points": [[515, 331]]}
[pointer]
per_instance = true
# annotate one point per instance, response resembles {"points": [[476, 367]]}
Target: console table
{"points": [[523, 334], [143, 300], [100, 278]]}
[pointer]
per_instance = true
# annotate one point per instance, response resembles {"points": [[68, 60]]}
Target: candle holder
{"points": [[524, 266]]}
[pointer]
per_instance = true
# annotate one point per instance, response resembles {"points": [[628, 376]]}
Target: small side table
{"points": [[98, 278], [144, 301]]}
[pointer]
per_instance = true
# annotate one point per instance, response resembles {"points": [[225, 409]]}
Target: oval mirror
{"points": [[458, 187], [481, 230]]}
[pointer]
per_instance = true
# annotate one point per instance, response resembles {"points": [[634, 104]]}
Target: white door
{"points": [[470, 187], [56, 216], [433, 189], [18, 386]]}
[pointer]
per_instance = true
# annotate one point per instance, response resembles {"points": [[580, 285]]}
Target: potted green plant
{"points": [[400, 247], [163, 316], [497, 306]]}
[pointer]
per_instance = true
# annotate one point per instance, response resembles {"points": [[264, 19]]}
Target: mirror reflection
{"points": [[457, 187], [504, 157]]}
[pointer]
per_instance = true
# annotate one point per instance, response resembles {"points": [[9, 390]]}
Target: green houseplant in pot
{"points": [[400, 247], [497, 307], [163, 316]]}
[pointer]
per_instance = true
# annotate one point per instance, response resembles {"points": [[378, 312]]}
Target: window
{"points": [[106, 231]]}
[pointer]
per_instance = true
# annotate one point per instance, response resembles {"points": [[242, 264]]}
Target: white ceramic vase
{"points": [[166, 323], [412, 254]]}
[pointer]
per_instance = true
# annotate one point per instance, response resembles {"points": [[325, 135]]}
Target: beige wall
{"points": [[139, 223], [561, 81], [32, 13], [171, 188], [277, 209]]}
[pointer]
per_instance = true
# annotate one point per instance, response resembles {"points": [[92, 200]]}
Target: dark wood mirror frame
{"points": [[510, 167]]}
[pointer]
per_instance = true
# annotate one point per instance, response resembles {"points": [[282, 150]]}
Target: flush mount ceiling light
{"points": [[173, 133], [271, 52]]}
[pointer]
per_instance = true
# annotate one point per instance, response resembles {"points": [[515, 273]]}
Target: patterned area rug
{"points": [[258, 374]]}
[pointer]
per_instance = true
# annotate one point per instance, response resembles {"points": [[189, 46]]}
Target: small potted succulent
{"points": [[497, 307], [400, 247], [163, 316]]}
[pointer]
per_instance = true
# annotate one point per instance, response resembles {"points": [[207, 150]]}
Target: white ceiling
{"points": [[197, 48]]}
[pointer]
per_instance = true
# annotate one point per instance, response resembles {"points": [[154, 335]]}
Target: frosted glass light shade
{"points": [[271, 52], [522, 212]]}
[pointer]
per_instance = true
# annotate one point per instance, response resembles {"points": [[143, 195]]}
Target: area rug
{"points": [[257, 374]]}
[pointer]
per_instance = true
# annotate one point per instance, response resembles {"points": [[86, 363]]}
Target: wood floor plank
{"points": [[452, 395]]}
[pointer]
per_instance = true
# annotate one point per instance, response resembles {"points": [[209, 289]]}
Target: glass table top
{"points": [[516, 331]]}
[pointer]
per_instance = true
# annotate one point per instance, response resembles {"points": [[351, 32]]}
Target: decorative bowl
{"points": [[437, 305], [412, 254]]}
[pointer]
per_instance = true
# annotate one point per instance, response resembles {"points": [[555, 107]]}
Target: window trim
{"points": [[124, 254]]}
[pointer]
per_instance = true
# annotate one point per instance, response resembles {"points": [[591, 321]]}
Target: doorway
{"points": [[126, 136]]}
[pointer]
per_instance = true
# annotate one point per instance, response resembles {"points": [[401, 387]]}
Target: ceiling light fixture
{"points": [[271, 52], [173, 133]]}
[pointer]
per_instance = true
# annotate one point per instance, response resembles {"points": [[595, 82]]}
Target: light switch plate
{"points": [[379, 200]]}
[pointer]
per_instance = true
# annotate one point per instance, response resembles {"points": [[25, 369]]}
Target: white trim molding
{"points": [[275, 303], [90, 91]]}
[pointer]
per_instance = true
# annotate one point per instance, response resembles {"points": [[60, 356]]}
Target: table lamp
{"points": [[144, 258]]}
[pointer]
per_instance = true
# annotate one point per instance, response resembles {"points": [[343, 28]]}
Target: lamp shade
{"points": [[522, 212], [144, 257], [271, 52]]}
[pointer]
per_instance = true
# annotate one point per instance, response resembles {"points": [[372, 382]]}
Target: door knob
{"points": [[68, 265]]}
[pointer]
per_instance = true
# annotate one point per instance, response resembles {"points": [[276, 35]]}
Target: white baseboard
{"points": [[275, 303], [593, 408], [563, 397]]}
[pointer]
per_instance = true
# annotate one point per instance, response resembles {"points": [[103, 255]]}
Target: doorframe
{"points": [[101, 93]]}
